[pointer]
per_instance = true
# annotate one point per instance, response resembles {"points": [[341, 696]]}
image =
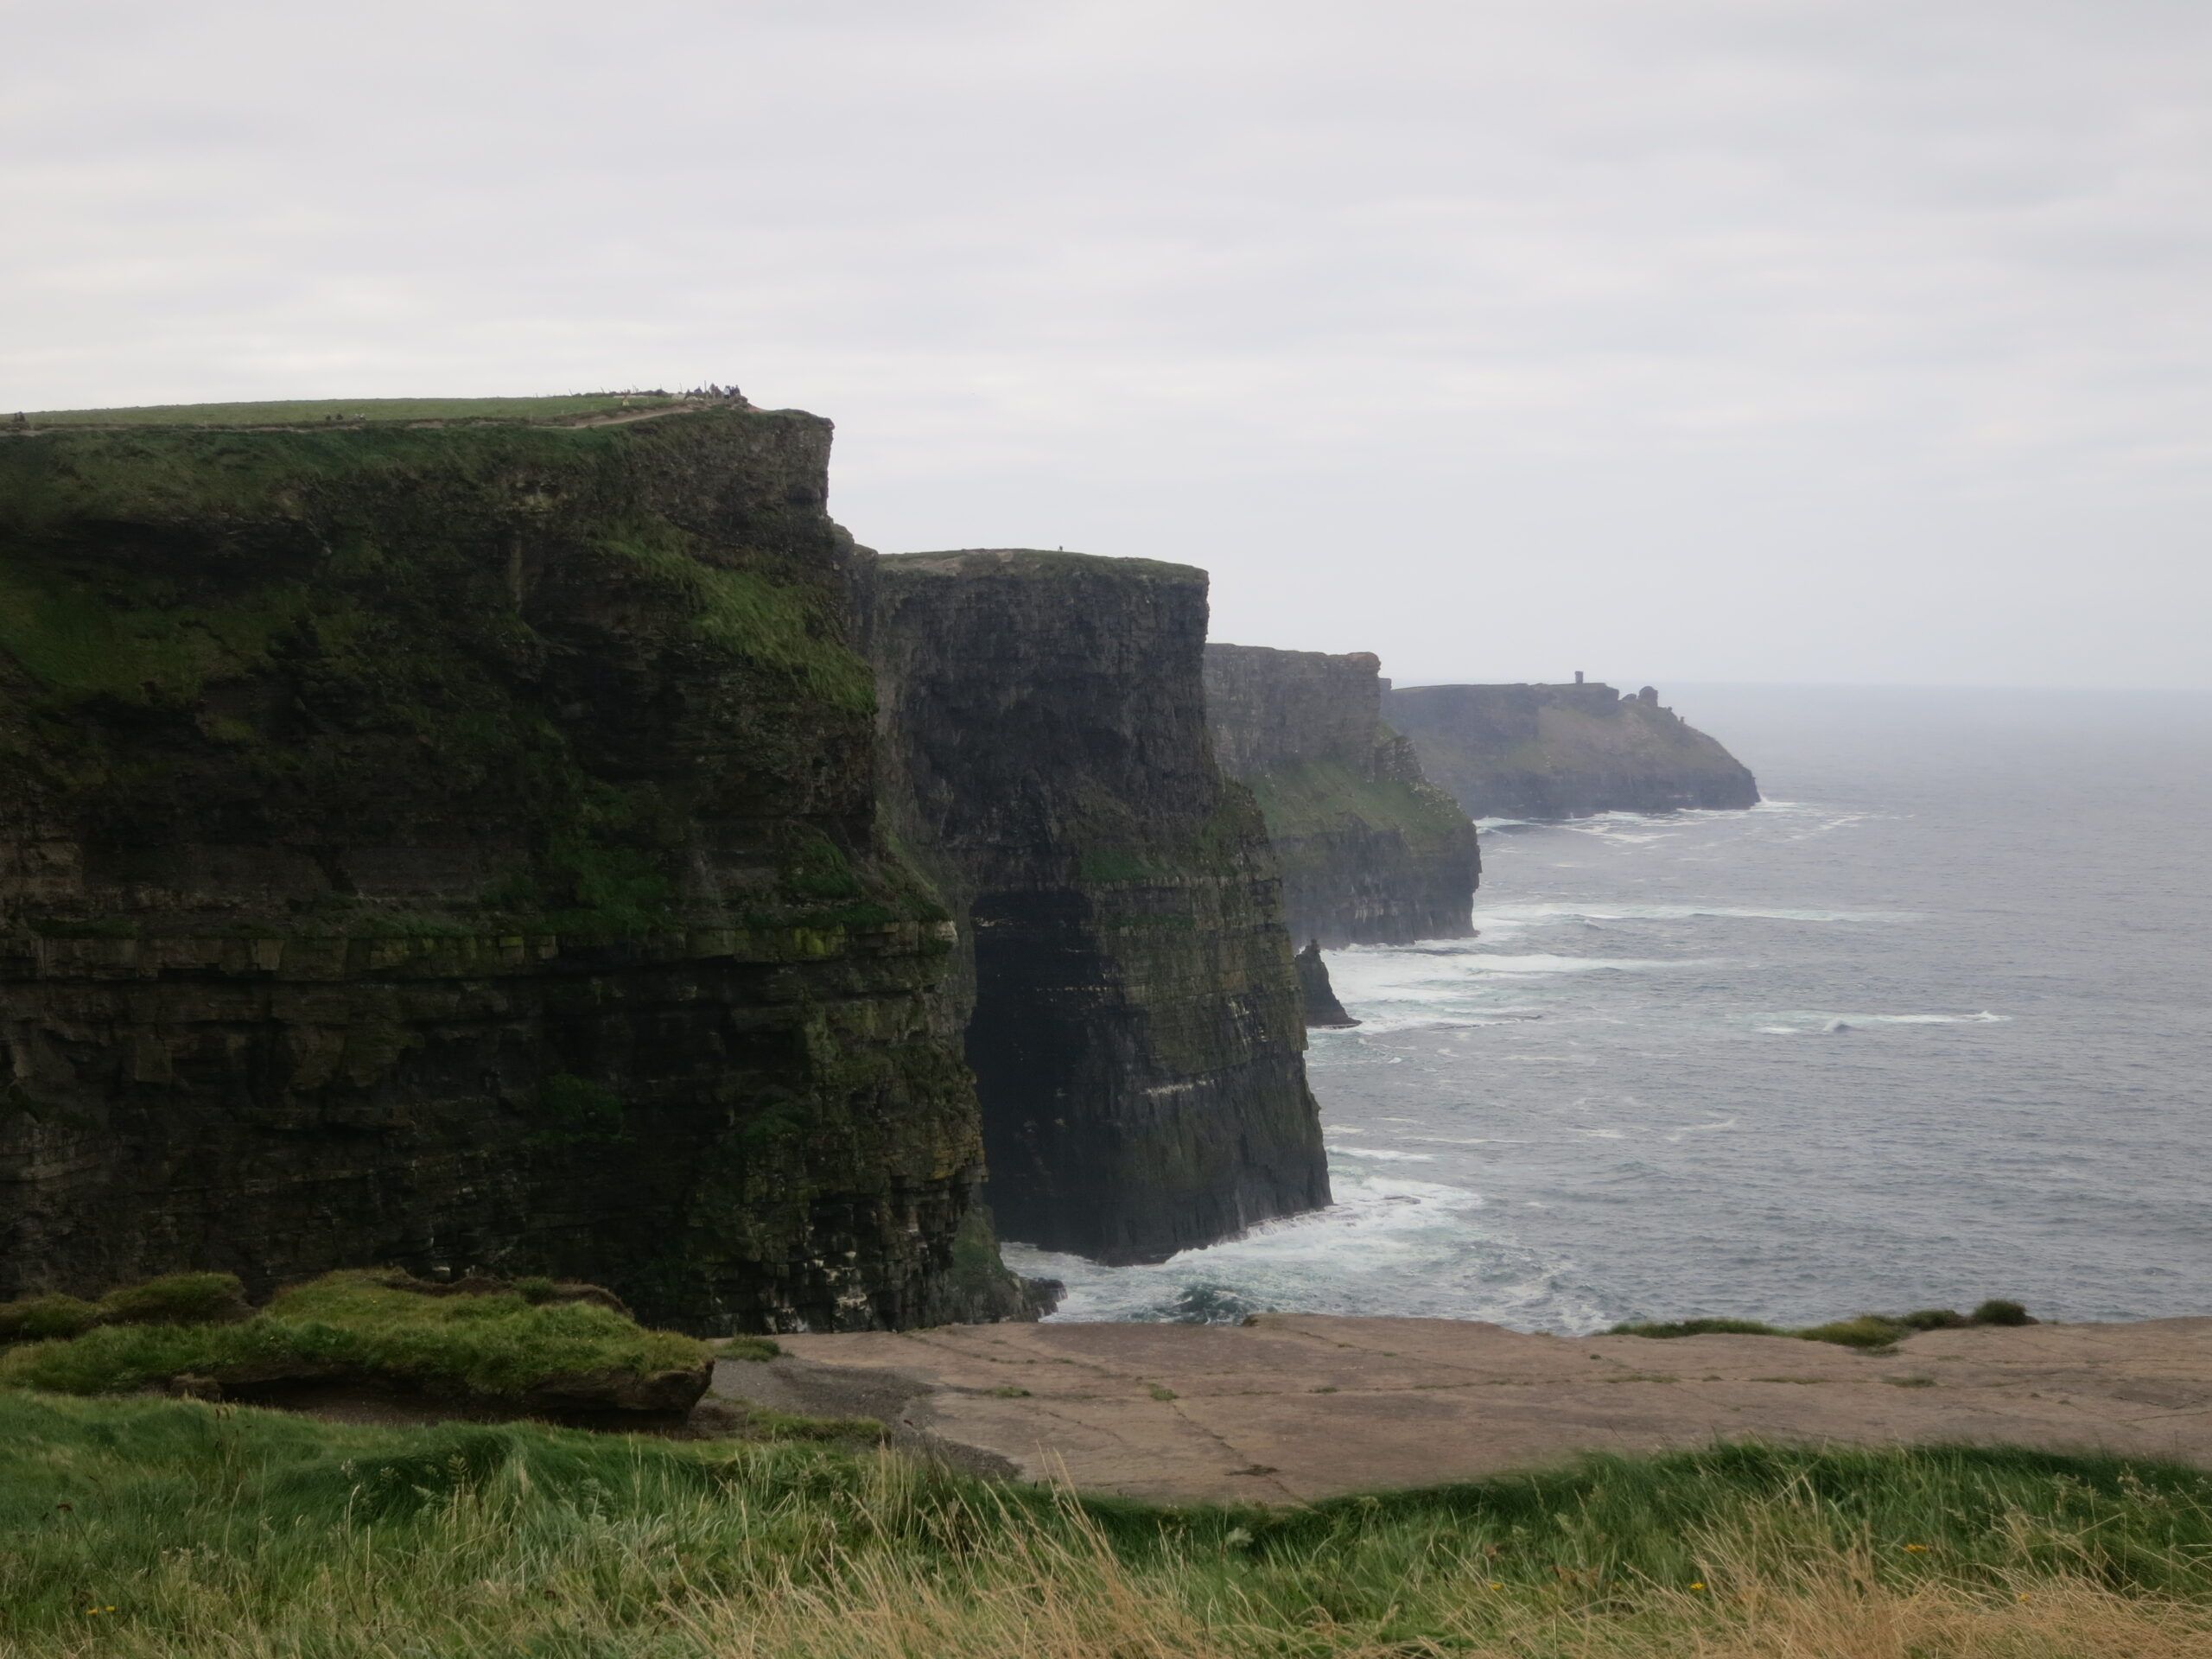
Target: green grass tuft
{"points": [[1865, 1331], [1698, 1328], [178, 1298], [755, 1348], [35, 1319]]}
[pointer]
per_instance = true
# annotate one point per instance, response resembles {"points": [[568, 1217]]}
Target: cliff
{"points": [[1564, 751], [1372, 853], [1135, 1035], [454, 847]]}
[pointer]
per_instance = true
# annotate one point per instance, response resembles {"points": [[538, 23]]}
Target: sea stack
{"points": [[1323, 1011], [1135, 1030], [1564, 751]]}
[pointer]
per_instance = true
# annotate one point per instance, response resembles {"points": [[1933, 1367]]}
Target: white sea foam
{"points": [[1834, 1022], [1520, 918], [1417, 1247], [1377, 1154]]}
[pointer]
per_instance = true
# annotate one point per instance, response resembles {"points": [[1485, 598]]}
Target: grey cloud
{"points": [[1679, 338]]}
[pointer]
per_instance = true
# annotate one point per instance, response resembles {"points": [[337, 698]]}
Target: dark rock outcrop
{"points": [[1323, 1011], [1564, 751], [1135, 1035], [1372, 853], [456, 847]]}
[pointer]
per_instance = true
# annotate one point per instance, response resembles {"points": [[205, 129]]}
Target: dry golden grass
{"points": [[1066, 1595]]}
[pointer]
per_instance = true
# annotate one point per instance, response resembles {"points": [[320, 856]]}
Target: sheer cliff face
{"points": [[1371, 852], [1564, 751], [1136, 1035], [457, 848]]}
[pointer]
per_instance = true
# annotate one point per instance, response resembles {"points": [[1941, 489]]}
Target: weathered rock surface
{"points": [[1135, 1035], [1322, 1009], [1372, 853], [459, 847], [1297, 1407], [1564, 751]]}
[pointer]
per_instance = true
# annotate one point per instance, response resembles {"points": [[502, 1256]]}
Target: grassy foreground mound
{"points": [[532, 1344], [147, 1527]]}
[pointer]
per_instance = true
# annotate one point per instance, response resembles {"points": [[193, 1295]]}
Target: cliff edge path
{"points": [[1293, 1407]]}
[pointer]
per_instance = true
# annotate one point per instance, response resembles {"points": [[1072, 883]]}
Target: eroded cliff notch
{"points": [[1371, 852], [1135, 1031]]}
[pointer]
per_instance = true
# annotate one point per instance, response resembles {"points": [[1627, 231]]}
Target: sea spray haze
{"points": [[1926, 1025]]}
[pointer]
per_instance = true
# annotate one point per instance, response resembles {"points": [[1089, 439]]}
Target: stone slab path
{"points": [[1297, 1407]]}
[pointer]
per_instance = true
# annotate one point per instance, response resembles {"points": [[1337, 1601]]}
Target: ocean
{"points": [[1931, 1025]]}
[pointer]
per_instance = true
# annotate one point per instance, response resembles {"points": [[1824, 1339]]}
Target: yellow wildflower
{"points": [[1916, 1549], [1697, 1584]]}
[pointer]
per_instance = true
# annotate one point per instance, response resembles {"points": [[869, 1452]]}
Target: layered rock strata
{"points": [[1135, 1036], [1371, 852], [1564, 751], [457, 848]]}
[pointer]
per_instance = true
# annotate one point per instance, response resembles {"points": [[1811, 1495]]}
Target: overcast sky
{"points": [[1714, 339]]}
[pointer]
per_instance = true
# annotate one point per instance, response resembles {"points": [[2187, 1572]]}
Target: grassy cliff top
{"points": [[569, 408], [1037, 562]]}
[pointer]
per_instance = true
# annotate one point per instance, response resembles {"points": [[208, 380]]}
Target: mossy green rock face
{"points": [[1136, 1034], [1372, 853], [1564, 751], [456, 847]]}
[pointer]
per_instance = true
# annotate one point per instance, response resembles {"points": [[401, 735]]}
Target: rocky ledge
{"points": [[1292, 1407]]}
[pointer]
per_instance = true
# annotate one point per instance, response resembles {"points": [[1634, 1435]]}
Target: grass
{"points": [[1323, 798], [148, 1527], [174, 1298], [748, 1348], [574, 406], [499, 1344], [1866, 1330]]}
